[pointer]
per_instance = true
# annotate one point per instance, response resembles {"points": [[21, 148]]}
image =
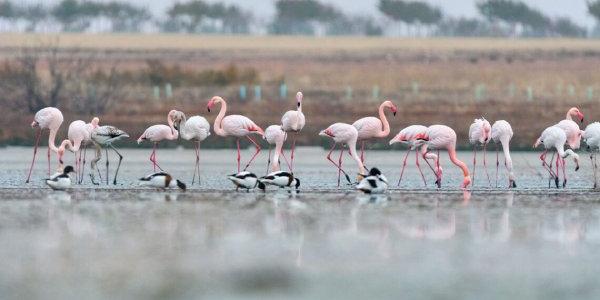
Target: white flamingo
{"points": [[293, 121], [555, 137], [479, 134], [502, 133], [274, 134], [196, 129], [591, 136]]}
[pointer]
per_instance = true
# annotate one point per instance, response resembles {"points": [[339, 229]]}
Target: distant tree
{"points": [[567, 28], [514, 13], [295, 16], [198, 16], [410, 12], [73, 15], [594, 9], [466, 27], [33, 14], [124, 17], [7, 10]]}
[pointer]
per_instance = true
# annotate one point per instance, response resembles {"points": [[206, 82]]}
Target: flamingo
{"points": [[46, 118], [158, 133], [371, 127], [555, 137], [234, 125], [105, 136], [79, 135], [502, 133], [571, 130], [293, 121], [591, 137], [408, 136], [274, 134], [443, 137], [195, 128], [479, 133], [345, 134]]}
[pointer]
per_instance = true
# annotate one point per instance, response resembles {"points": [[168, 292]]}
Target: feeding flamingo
{"points": [[571, 130], [234, 125], [274, 134], [293, 121], [371, 127], [591, 136], [158, 133], [408, 136], [479, 133], [443, 137], [345, 134], [502, 133], [195, 128], [555, 137], [105, 136], [79, 135], [46, 118]]}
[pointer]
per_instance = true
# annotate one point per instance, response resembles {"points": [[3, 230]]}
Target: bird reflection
{"points": [[159, 196]]}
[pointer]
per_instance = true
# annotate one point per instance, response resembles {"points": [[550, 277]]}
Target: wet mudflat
{"points": [[415, 242]]}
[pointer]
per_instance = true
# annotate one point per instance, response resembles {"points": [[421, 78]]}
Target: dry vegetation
{"points": [[432, 80]]}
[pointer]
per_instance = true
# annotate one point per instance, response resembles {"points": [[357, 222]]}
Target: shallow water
{"points": [[211, 242]]}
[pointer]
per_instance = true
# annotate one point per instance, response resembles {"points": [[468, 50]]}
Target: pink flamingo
{"points": [[158, 133], [572, 131], [234, 125], [371, 127], [408, 136], [345, 134], [79, 135], [555, 137], [274, 134], [443, 137], [195, 128], [46, 118], [502, 133], [479, 133], [293, 121]]}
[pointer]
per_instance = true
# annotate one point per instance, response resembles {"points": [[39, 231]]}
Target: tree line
{"points": [[307, 17]]}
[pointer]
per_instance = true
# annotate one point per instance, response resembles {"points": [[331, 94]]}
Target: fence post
{"points": [[243, 93], [283, 91], [590, 93], [415, 88], [512, 90], [168, 90], [559, 88], [571, 90], [257, 93], [348, 92], [529, 93], [156, 92], [479, 91], [375, 92]]}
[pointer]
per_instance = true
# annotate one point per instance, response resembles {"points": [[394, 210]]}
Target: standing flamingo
{"points": [[408, 136], [502, 133], [293, 121], [158, 133], [274, 134], [371, 127], [345, 134], [572, 130], [79, 135], [479, 133], [234, 125], [105, 136], [591, 137], [195, 128], [555, 137], [46, 118], [443, 137]]}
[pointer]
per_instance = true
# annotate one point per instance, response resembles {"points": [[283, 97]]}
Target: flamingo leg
{"points": [[404, 165], [595, 171], [362, 151], [474, 164], [238, 154], [286, 161], [291, 164], [419, 167], [197, 166], [546, 166], [83, 164], [340, 166], [336, 165], [48, 161], [564, 170], [35, 148], [269, 159], [485, 165], [438, 172], [498, 164], [153, 158], [107, 160], [255, 153], [118, 165]]}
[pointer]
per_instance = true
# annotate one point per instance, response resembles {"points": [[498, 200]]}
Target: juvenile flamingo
{"points": [[158, 133], [502, 133], [234, 125], [555, 137], [479, 134], [195, 128], [79, 135], [371, 127], [408, 136], [274, 134], [293, 121], [345, 134], [46, 118], [591, 137], [443, 137]]}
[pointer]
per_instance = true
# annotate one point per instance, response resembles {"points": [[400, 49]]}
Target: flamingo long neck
{"points": [[569, 117], [278, 147], [457, 162], [299, 106], [384, 121], [352, 148], [184, 133], [174, 132], [52, 139], [506, 150], [218, 127]]}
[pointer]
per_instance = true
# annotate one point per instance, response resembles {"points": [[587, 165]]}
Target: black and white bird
{"points": [[61, 181], [374, 183], [281, 179], [162, 180], [104, 137], [246, 180]]}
